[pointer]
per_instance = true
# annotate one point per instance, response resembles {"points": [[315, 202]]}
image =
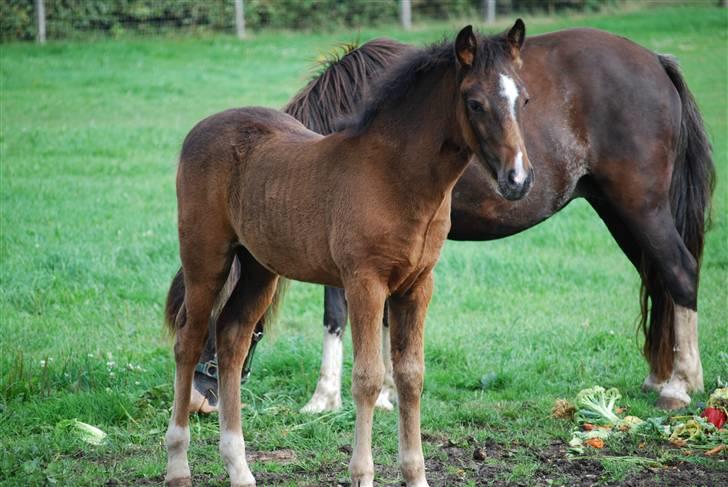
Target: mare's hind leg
{"points": [[651, 225], [205, 273], [631, 249], [407, 326], [366, 305], [247, 304]]}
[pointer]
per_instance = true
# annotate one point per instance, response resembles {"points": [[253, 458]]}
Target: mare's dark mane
{"points": [[336, 88], [399, 78]]}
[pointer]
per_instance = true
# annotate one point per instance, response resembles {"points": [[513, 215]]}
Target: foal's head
{"points": [[492, 100]]}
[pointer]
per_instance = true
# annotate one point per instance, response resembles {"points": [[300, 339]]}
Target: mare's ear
{"points": [[517, 35], [465, 45]]}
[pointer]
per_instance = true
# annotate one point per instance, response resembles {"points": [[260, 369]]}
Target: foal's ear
{"points": [[517, 35], [465, 45]]}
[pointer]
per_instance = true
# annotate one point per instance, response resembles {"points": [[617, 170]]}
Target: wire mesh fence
{"points": [[64, 19]]}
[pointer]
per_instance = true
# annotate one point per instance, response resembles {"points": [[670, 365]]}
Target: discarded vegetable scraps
{"points": [[598, 421], [83, 431], [563, 409], [715, 416], [717, 410], [596, 405]]}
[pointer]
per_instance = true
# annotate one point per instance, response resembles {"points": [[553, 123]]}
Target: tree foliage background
{"points": [[79, 18]]}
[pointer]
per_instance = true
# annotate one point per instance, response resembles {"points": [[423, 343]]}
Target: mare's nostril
{"points": [[512, 177]]}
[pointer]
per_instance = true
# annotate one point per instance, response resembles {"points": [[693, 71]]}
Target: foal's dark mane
{"points": [[399, 78]]}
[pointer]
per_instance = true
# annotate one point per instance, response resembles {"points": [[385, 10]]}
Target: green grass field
{"points": [[90, 136]]}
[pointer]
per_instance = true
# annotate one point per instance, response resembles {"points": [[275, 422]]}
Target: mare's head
{"points": [[491, 104]]}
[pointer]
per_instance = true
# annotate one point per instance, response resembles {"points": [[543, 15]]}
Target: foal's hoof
{"points": [[180, 482], [671, 403]]}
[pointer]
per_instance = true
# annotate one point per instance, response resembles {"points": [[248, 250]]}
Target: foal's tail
{"points": [[173, 319], [693, 181]]}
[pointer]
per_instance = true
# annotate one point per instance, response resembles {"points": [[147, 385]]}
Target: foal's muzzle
{"points": [[511, 188]]}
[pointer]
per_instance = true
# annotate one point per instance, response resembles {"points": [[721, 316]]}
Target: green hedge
{"points": [[74, 18]]}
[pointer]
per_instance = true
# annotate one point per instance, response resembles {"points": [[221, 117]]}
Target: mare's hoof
{"points": [[322, 403], [384, 403], [649, 386], [181, 482], [671, 403], [243, 485], [363, 482]]}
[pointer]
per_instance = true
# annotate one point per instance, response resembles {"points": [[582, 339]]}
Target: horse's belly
{"points": [[292, 254]]}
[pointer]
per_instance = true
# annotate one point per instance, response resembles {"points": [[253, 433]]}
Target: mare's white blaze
{"points": [[687, 371], [327, 396], [178, 440], [232, 450]]}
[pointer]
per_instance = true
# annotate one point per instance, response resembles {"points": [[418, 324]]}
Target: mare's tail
{"points": [[175, 300], [174, 319], [693, 181]]}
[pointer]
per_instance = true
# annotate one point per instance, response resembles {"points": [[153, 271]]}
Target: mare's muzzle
{"points": [[511, 188]]}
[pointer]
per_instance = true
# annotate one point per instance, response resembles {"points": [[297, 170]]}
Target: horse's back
{"points": [[237, 131], [612, 91]]}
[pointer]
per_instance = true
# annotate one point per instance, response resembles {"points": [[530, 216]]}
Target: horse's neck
{"points": [[425, 150]]}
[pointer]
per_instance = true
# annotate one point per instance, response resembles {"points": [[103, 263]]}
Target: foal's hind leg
{"points": [[247, 304], [366, 304], [407, 326], [205, 274]]}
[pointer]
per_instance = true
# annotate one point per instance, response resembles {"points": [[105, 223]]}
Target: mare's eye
{"points": [[475, 106]]}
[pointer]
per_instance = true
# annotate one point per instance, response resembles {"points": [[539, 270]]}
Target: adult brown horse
{"points": [[608, 121], [366, 209]]}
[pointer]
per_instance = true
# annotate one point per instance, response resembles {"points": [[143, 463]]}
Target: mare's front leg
{"points": [[327, 396], [388, 394], [366, 304], [407, 326]]}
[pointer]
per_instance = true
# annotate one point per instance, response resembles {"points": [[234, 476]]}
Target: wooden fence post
{"points": [[41, 21], [240, 19], [489, 11], [405, 10]]}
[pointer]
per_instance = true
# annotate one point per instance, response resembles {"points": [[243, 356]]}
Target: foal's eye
{"points": [[475, 106]]}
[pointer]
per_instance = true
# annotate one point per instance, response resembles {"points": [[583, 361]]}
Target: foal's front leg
{"points": [[407, 326], [366, 304]]}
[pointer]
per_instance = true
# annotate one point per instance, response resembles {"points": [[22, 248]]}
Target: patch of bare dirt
{"points": [[485, 464]]}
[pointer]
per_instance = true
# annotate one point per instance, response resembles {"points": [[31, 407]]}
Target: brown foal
{"points": [[366, 208]]}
